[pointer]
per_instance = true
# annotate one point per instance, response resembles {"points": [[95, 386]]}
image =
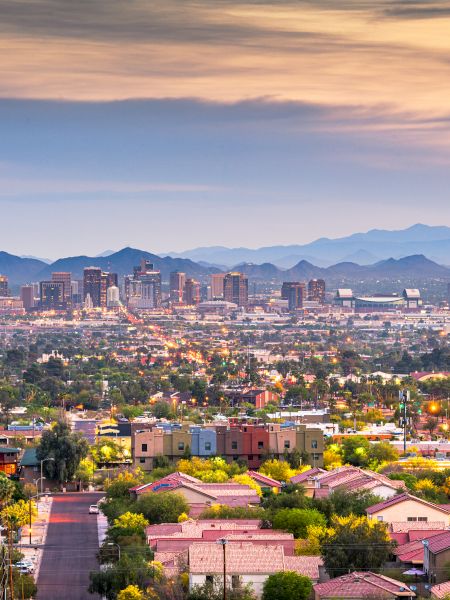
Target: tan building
{"points": [[217, 285], [311, 440], [145, 446], [406, 507]]}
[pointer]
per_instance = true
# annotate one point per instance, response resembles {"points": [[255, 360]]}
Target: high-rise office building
{"points": [[235, 288], [143, 288], [107, 280], [316, 291], [92, 283], [113, 297], [217, 280], [4, 286], [191, 292], [27, 296], [96, 284], [52, 295], [66, 279], [294, 293], [177, 282]]}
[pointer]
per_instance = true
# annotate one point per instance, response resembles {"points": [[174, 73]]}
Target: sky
{"points": [[171, 124]]}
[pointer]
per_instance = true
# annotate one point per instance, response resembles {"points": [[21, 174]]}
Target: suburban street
{"points": [[70, 549]]}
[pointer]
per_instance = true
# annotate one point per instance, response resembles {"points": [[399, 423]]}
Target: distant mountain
{"points": [[20, 270], [405, 270], [409, 268], [122, 263], [105, 253], [362, 248], [45, 260]]}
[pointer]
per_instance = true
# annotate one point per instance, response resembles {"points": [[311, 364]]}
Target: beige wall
{"points": [[410, 508]]}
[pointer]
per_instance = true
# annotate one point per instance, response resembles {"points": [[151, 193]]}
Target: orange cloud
{"points": [[357, 55]]}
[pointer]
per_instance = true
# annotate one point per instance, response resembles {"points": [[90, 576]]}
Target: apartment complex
{"points": [[250, 443]]}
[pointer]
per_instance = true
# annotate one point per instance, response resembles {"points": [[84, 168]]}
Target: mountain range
{"points": [[411, 268], [362, 248], [25, 270]]}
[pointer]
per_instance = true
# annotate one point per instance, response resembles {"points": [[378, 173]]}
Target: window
{"points": [[260, 445], [144, 447], [314, 444], [250, 457], [380, 518], [207, 445], [142, 460], [235, 581], [180, 445], [234, 445], [287, 443], [422, 518], [316, 456], [235, 457], [412, 519], [209, 579]]}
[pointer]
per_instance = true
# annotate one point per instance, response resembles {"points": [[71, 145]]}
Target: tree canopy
{"points": [[66, 448]]}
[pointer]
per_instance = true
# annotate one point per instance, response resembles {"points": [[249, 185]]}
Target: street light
{"points": [[42, 474], [114, 544], [223, 542]]}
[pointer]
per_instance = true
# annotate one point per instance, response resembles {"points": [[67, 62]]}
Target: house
{"points": [[406, 507], [259, 398], [320, 483], [9, 460], [267, 484], [436, 557], [361, 586], [199, 495], [409, 550], [441, 591], [246, 564], [178, 537]]}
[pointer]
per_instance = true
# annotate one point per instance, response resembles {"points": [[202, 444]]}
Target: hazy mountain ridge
{"points": [[372, 246], [414, 267]]}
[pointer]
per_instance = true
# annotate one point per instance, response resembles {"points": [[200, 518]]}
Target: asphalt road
{"points": [[70, 549]]}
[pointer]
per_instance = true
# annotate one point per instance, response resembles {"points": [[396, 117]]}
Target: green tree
{"points": [[355, 544], [382, 452], [67, 450], [355, 450], [287, 585], [129, 570], [7, 489], [163, 507], [214, 591], [297, 520]]}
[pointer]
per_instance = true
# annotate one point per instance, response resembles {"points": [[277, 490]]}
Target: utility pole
{"points": [[10, 561], [404, 397], [223, 542]]}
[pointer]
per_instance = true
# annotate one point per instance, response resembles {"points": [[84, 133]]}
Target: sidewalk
{"points": [[38, 535], [102, 525]]}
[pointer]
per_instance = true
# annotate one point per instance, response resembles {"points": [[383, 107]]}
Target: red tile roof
{"points": [[441, 590], [362, 585], [438, 543], [402, 498], [249, 559]]}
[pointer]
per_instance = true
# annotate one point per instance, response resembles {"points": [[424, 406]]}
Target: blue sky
{"points": [[256, 123]]}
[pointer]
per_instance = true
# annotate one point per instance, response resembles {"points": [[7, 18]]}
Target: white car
{"points": [[25, 566], [94, 509]]}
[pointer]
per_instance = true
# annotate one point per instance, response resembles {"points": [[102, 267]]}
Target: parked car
{"points": [[94, 509], [25, 566]]}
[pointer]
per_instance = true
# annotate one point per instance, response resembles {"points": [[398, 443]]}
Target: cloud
{"points": [[353, 52]]}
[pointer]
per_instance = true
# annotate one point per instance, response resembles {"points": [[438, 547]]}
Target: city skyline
{"points": [[147, 124]]}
